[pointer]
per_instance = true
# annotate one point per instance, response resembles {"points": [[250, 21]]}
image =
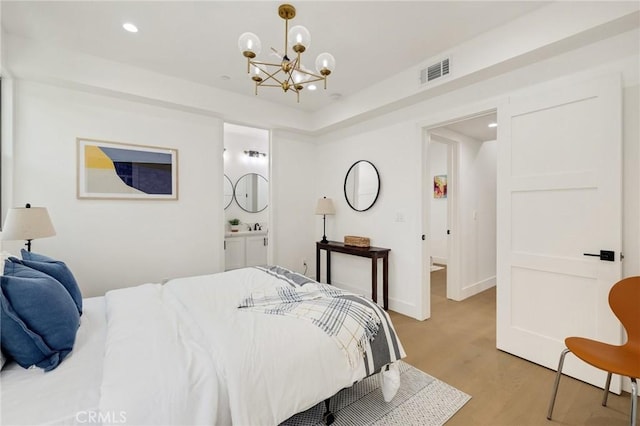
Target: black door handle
{"points": [[607, 255]]}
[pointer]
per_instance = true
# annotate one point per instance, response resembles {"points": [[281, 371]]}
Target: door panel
{"points": [[559, 196]]}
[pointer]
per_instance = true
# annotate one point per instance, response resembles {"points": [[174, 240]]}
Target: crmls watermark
{"points": [[101, 417]]}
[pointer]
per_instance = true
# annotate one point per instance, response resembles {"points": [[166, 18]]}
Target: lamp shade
{"points": [[27, 223], [325, 206]]}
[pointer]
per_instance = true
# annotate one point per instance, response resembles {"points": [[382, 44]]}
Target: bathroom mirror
{"points": [[252, 192], [362, 185], [227, 191]]}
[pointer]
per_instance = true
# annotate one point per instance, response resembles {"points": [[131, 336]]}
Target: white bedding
{"points": [[70, 393], [270, 366], [182, 353]]}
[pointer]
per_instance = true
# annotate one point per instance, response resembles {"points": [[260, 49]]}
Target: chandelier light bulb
{"points": [[325, 63], [299, 38], [256, 75], [300, 77], [249, 44]]}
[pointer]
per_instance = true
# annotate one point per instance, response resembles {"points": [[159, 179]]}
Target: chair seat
{"points": [[623, 360]]}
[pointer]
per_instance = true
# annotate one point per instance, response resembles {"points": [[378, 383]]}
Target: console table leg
{"points": [[318, 264], [385, 281], [374, 279]]}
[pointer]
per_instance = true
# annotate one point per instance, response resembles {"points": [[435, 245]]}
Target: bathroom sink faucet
{"points": [[257, 227]]}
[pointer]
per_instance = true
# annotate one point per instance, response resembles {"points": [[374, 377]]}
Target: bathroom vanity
{"points": [[245, 248]]}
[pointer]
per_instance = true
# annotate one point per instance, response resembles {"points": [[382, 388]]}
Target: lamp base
{"points": [[324, 230]]}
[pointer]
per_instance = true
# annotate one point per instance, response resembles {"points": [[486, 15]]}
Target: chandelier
{"points": [[289, 74]]}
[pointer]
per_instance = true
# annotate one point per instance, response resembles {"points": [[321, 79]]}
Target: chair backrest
{"points": [[624, 299]]}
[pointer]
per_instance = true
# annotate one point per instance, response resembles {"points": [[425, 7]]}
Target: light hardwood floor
{"points": [[458, 346]]}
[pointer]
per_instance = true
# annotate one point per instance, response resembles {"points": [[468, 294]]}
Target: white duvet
{"points": [[182, 353]]}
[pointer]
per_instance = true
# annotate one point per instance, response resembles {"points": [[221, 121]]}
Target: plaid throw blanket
{"points": [[351, 325]]}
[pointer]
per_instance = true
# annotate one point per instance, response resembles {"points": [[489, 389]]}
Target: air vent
{"points": [[434, 71]]}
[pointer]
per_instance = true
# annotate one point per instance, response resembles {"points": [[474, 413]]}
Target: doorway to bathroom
{"points": [[246, 196]]}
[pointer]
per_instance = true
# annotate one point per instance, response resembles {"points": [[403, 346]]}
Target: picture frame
{"points": [[440, 186], [114, 170]]}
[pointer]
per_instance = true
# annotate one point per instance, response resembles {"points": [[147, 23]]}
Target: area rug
{"points": [[421, 400]]}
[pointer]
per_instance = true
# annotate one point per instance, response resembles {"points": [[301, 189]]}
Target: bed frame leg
{"points": [[328, 417]]}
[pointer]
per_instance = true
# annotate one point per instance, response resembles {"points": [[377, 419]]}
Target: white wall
{"points": [[477, 220], [294, 172], [238, 139], [394, 220], [117, 243], [437, 157]]}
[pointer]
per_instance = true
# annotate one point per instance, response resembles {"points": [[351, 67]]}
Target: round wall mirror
{"points": [[362, 185], [227, 191], [252, 192]]}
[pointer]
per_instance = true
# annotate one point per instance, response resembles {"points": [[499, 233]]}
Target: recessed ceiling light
{"points": [[130, 27], [312, 87], [492, 125]]}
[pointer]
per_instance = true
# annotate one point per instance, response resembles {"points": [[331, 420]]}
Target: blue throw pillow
{"points": [[38, 321], [55, 268]]}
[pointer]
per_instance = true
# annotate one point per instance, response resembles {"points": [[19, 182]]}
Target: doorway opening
{"points": [[460, 206], [246, 195]]}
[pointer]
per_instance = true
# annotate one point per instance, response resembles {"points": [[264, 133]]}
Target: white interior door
{"points": [[559, 196]]}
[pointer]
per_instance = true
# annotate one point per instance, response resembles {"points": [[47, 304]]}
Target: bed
{"points": [[208, 349]]}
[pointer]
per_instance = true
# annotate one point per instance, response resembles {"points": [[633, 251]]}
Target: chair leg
{"points": [[634, 401], [606, 390], [557, 382]]}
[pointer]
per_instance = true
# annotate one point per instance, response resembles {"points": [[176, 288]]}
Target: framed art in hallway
{"points": [[113, 170], [440, 186]]}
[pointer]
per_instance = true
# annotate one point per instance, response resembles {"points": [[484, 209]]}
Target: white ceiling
{"points": [[476, 127], [197, 41]]}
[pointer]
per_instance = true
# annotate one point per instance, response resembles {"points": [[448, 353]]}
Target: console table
{"points": [[373, 253]]}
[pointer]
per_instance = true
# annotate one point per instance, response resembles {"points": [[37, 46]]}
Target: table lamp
{"points": [[27, 223], [325, 207]]}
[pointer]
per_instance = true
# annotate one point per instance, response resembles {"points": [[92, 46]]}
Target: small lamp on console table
{"points": [[27, 223], [325, 207]]}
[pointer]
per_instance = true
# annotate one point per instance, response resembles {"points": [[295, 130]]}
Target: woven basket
{"points": [[352, 240]]}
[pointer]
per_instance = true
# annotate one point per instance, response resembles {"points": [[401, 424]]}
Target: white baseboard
{"points": [[478, 287]]}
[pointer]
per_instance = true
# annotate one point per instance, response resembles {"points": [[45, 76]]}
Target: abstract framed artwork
{"points": [[440, 186], [112, 170]]}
